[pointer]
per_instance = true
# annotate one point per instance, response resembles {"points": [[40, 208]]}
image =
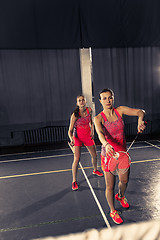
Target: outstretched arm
{"points": [[134, 112]]}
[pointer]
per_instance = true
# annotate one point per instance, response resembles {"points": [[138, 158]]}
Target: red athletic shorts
{"points": [[83, 137], [105, 160], [104, 163], [86, 141]]}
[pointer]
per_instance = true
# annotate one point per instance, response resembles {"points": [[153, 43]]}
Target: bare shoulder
{"points": [[73, 117], [98, 118], [120, 110], [72, 122]]}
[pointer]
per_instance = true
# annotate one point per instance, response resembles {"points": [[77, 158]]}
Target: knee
{"points": [[94, 156], [76, 160], [124, 181], [109, 188]]}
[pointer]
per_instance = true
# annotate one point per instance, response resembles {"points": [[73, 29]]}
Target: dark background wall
{"points": [[40, 74], [38, 88], [80, 23], [134, 76]]}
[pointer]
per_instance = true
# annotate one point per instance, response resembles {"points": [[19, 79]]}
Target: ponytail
{"points": [[76, 112]]}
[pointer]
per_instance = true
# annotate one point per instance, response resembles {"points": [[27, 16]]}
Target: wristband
{"points": [[106, 144]]}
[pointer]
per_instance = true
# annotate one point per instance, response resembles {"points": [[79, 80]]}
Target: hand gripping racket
{"points": [[120, 161], [71, 146]]}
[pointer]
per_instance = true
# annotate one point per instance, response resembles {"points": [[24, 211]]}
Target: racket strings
{"points": [[119, 165]]}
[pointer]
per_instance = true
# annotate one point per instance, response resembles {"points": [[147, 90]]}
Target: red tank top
{"points": [[82, 125], [83, 122], [114, 133]]}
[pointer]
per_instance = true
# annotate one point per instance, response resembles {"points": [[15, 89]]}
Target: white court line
{"points": [[38, 158], [152, 144], [133, 148], [95, 197], [60, 155], [33, 158], [51, 150], [38, 151], [92, 191]]}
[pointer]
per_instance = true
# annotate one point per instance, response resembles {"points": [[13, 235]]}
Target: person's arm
{"points": [[134, 112], [91, 123], [71, 126], [101, 136]]}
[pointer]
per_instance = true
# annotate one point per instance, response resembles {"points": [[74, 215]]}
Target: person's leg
{"points": [[110, 182], [123, 181], [93, 153], [77, 153]]}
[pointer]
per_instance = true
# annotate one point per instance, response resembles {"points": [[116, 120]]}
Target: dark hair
{"points": [[76, 110], [106, 90]]}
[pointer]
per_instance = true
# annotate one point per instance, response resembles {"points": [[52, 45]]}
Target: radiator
{"points": [[46, 135], [131, 129], [60, 133]]}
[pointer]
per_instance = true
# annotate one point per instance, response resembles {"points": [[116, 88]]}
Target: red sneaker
{"points": [[115, 217], [98, 173], [74, 186], [123, 201]]}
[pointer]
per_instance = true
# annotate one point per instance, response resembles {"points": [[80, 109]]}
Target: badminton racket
{"points": [[71, 146], [120, 161]]}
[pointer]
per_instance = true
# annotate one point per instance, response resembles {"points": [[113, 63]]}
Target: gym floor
{"points": [[36, 199]]}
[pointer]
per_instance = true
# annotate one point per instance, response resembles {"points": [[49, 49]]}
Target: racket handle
{"points": [[145, 123]]}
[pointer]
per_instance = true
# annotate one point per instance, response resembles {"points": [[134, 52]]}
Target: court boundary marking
{"points": [[95, 198], [91, 189], [65, 170], [64, 149], [152, 145], [47, 223], [65, 155], [71, 219]]}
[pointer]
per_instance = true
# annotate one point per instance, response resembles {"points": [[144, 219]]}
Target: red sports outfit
{"points": [[114, 134], [83, 131]]}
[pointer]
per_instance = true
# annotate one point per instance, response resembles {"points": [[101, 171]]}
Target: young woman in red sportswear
{"points": [[110, 129], [81, 132]]}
